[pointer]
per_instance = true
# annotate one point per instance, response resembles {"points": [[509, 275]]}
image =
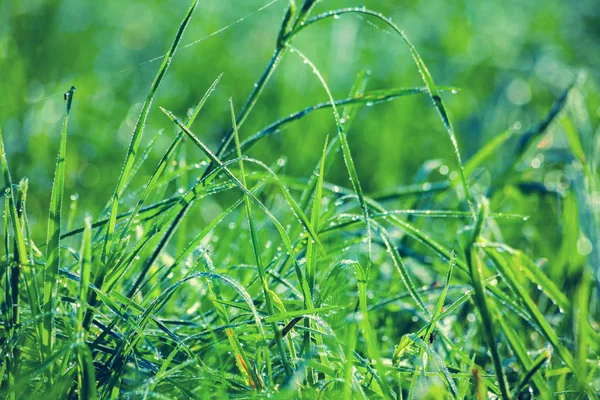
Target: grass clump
{"points": [[300, 288]]}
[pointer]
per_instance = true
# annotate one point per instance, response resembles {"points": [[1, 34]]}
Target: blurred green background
{"points": [[511, 59]]}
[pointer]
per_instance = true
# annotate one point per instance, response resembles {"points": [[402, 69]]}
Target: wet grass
{"points": [[301, 288]]}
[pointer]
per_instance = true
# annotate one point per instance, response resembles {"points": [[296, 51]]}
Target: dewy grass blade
{"points": [[286, 240], [445, 373], [522, 356], [475, 269], [533, 312], [53, 248], [311, 253], [345, 150], [423, 70], [259, 264], [280, 50], [348, 113], [372, 98], [160, 167], [86, 370], [12, 272], [137, 135], [84, 276]]}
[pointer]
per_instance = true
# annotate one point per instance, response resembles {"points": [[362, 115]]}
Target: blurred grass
{"points": [[509, 60]]}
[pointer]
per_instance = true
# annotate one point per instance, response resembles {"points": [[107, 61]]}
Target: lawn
{"points": [[300, 199]]}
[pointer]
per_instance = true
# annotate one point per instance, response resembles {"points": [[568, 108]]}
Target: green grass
{"points": [[299, 287]]}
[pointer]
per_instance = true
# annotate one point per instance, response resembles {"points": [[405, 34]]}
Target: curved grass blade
{"points": [[373, 97], [426, 76], [345, 149]]}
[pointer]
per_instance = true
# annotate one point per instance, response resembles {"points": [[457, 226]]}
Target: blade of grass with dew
{"points": [[348, 113], [518, 348], [445, 374], [99, 224], [368, 333], [372, 97], [440, 303], [30, 273], [11, 273], [137, 135], [53, 237], [399, 264], [286, 240], [280, 50], [424, 72], [311, 255], [537, 276], [353, 175], [531, 372], [151, 184], [259, 263], [533, 312], [476, 269]]}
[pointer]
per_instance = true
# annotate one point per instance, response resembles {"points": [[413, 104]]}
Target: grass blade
{"points": [[137, 134], [53, 237], [259, 263], [475, 269]]}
